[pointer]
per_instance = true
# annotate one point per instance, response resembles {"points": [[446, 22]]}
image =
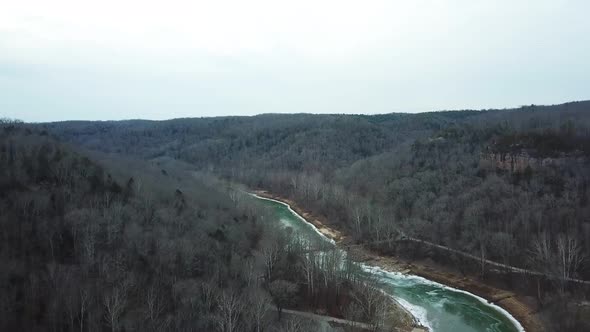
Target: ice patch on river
{"points": [[298, 216], [401, 276], [418, 312]]}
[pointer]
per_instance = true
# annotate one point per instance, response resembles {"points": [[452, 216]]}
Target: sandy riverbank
{"points": [[508, 300]]}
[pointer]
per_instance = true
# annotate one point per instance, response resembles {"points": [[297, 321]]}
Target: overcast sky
{"points": [[117, 59]]}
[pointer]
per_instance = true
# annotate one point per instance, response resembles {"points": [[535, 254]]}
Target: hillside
{"points": [[94, 241], [84, 249], [506, 185]]}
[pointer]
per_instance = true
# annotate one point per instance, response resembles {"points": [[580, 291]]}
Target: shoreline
{"points": [[505, 300], [329, 234]]}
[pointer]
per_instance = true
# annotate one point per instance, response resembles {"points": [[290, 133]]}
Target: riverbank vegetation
{"points": [[508, 186]]}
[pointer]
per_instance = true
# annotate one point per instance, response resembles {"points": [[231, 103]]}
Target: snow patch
{"points": [[377, 269], [418, 312]]}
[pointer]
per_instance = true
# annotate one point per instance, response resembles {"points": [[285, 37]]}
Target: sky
{"points": [[117, 59]]}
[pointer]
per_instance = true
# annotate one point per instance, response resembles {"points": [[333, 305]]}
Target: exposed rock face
{"points": [[507, 161], [518, 162]]}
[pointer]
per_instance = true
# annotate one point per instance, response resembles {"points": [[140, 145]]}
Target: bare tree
{"points": [[358, 215], [208, 294], [283, 293], [249, 272], [84, 304], [112, 216], [270, 253], [114, 303], [230, 306], [308, 266], [475, 215], [371, 302], [235, 196], [258, 306], [155, 304], [293, 181], [504, 244], [89, 245], [316, 186], [569, 257], [559, 259], [296, 324], [71, 299], [353, 312]]}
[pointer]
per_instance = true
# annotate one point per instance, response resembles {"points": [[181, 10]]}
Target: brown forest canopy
{"points": [[492, 183], [92, 242]]}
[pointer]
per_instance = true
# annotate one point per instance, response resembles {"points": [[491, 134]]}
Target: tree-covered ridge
{"points": [[299, 140], [432, 176], [82, 250], [94, 242], [548, 143]]}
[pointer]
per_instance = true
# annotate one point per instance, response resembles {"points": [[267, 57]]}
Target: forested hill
{"points": [[506, 185], [97, 242], [115, 245], [302, 141], [298, 141]]}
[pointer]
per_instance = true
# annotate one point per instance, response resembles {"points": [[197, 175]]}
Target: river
{"points": [[435, 306]]}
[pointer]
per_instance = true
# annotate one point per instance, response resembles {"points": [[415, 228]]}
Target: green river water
{"points": [[436, 306]]}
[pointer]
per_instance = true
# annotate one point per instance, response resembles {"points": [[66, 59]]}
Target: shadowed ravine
{"points": [[436, 306]]}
